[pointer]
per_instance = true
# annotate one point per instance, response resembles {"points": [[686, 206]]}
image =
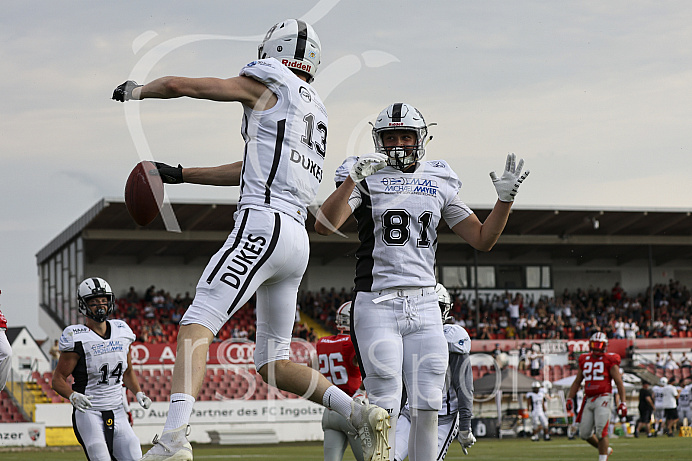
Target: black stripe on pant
{"points": [[260, 263], [78, 435], [223, 258], [109, 430]]}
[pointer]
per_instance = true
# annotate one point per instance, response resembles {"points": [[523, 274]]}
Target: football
{"points": [[144, 193]]}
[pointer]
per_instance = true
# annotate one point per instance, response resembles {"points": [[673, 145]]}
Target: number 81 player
{"points": [[596, 369]]}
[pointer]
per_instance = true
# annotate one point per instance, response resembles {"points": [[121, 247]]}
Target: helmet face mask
{"points": [[343, 318], [95, 287], [598, 343], [295, 44], [400, 117], [444, 300]]}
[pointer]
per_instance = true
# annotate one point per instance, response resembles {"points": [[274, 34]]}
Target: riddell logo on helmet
{"points": [[396, 123], [296, 65]]}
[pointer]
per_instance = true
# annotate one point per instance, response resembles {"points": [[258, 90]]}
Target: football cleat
{"points": [[372, 424], [172, 446], [610, 452], [535, 438]]}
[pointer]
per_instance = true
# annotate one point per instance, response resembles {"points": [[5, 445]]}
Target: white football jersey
{"points": [[685, 396], [658, 396], [398, 214], [669, 396], [458, 342], [102, 361], [285, 145], [536, 399]]}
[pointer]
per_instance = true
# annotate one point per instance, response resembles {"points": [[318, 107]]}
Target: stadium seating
{"points": [[9, 413]]}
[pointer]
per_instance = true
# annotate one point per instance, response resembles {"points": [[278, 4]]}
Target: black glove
{"points": [[170, 174], [124, 92]]}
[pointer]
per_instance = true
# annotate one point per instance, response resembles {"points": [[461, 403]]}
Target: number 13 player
{"points": [[596, 369]]}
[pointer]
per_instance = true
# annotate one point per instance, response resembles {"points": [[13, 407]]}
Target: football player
{"points": [[454, 419], [398, 201], [5, 353], [97, 355], [597, 369], [684, 398], [536, 401], [669, 404], [285, 131], [338, 363]]}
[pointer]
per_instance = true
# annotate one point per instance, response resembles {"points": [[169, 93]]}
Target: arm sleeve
{"points": [[455, 212], [462, 383], [355, 200]]}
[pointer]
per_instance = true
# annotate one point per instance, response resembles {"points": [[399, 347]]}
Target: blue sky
{"points": [[595, 96]]}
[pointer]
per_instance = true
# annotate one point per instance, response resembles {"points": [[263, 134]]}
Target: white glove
{"points": [[143, 400], [508, 185], [361, 397], [466, 439], [80, 401], [367, 165]]}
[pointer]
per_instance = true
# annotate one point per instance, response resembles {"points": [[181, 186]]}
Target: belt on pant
{"points": [[386, 295]]}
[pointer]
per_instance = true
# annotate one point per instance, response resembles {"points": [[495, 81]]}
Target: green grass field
{"points": [[660, 448]]}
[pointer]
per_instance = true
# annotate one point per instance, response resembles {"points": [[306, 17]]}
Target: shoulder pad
{"points": [[67, 339], [268, 71], [121, 327], [441, 168], [344, 169], [458, 339]]}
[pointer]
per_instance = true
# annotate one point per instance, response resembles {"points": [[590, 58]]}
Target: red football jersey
{"points": [[3, 321], [596, 371], [337, 362]]}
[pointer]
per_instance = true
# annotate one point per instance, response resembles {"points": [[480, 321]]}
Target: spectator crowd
{"points": [[155, 314]]}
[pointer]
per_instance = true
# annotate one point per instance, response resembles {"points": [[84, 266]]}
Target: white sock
{"points": [[422, 441], [602, 457], [179, 411], [337, 400]]}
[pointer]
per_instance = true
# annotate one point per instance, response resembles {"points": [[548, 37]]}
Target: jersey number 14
{"points": [[117, 373]]}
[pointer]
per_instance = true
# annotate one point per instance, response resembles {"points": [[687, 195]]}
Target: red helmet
{"points": [[598, 343]]}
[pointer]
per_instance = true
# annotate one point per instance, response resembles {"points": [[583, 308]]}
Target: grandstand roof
{"points": [[575, 234]]}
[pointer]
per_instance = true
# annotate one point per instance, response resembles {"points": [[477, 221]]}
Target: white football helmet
{"points": [[663, 381], [445, 301], [400, 116], [598, 343], [343, 318], [295, 44], [95, 287], [536, 385]]}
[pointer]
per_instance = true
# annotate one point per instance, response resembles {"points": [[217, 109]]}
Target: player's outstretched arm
{"points": [[239, 89], [222, 175]]}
